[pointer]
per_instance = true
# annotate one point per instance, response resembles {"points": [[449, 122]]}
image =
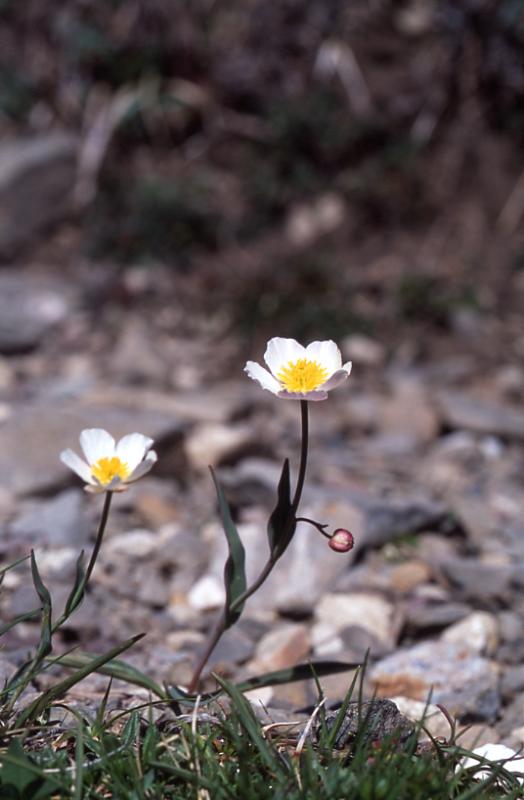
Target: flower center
{"points": [[302, 375], [105, 469]]}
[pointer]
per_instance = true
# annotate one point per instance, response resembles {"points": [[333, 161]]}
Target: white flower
{"points": [[109, 467], [300, 373], [498, 753]]}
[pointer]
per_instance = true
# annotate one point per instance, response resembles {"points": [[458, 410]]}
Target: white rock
{"points": [[478, 631], [498, 753], [325, 640], [207, 593], [368, 611], [137, 543], [211, 442]]}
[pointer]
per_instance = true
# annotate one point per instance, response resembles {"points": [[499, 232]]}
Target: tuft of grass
{"points": [[228, 754]]}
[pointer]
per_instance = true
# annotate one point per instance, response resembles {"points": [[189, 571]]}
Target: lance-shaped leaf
{"points": [[11, 566], [300, 672], [46, 698], [44, 646], [234, 570], [77, 592], [25, 617], [114, 669], [281, 525]]}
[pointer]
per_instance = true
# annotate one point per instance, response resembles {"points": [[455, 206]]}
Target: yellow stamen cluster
{"points": [[302, 375], [106, 469]]}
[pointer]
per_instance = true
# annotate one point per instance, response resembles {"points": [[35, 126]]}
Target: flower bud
{"points": [[342, 541]]}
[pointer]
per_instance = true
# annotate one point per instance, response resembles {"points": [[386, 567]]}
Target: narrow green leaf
{"points": [[79, 763], [45, 645], [114, 669], [11, 566], [190, 776], [48, 697], [77, 592], [20, 618], [300, 672], [234, 570], [341, 714]]}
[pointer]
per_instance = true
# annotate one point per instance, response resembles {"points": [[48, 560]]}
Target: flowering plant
{"points": [[296, 373]]}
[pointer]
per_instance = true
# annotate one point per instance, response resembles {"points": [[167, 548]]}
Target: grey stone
{"points": [[422, 616], [465, 683], [58, 521], [30, 306], [389, 519], [233, 648], [37, 177], [512, 681], [512, 716], [466, 412], [374, 720], [476, 580]]}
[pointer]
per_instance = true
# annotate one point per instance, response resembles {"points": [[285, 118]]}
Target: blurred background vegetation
{"points": [[308, 168]]}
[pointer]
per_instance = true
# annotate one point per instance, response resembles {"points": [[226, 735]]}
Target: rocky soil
{"points": [[422, 459]]}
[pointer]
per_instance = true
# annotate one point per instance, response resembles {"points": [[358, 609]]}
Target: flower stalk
{"points": [[221, 623]]}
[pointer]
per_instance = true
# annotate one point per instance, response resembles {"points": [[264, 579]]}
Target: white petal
{"points": [[326, 354], [336, 379], [74, 462], [132, 449], [96, 444], [315, 395], [280, 352], [262, 376], [144, 467]]}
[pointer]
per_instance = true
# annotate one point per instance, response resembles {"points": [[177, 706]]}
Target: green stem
{"points": [[303, 457], [220, 625], [92, 561], [99, 536]]}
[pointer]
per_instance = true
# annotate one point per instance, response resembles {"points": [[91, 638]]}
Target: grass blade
{"points": [[20, 618], [114, 669], [47, 697]]}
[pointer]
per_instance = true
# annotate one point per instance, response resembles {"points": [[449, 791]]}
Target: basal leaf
{"points": [[234, 570]]}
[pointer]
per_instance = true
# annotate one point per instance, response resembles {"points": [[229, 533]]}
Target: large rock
{"points": [[466, 412], [30, 306], [37, 177], [465, 683], [58, 521]]}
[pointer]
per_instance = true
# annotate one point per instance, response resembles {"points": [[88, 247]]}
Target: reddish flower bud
{"points": [[342, 541]]}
